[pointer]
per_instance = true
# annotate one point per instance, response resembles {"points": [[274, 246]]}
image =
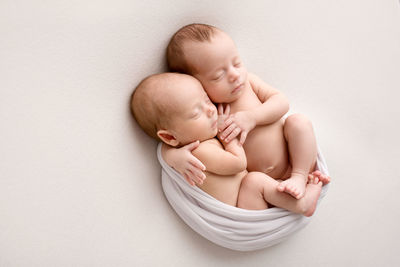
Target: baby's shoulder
{"points": [[260, 87], [254, 80], [214, 142], [207, 149], [253, 77]]}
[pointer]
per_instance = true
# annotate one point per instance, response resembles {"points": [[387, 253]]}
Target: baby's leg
{"points": [[257, 189], [302, 146], [251, 192]]}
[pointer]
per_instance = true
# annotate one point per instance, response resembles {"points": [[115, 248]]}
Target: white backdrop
{"points": [[79, 181]]}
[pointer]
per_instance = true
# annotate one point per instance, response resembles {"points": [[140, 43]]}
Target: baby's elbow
{"points": [[235, 167], [285, 104], [242, 164]]}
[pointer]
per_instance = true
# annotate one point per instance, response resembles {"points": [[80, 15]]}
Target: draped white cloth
{"points": [[227, 226]]}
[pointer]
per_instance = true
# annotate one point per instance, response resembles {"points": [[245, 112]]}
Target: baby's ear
{"points": [[167, 137]]}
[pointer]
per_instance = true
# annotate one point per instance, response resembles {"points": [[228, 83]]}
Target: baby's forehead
{"points": [[190, 91]]}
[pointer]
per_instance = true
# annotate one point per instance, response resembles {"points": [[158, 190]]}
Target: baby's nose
{"points": [[234, 74]]}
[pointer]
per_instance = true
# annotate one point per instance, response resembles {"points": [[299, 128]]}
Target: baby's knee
{"points": [[251, 182], [298, 121], [251, 193], [257, 182]]}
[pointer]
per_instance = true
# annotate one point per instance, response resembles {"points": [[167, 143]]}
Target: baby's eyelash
{"points": [[217, 78]]}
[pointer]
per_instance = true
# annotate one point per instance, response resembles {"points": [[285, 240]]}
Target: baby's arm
{"points": [[274, 106], [183, 161], [228, 159], [275, 103]]}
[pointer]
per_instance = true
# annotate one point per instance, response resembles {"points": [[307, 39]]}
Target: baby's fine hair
{"points": [[150, 105], [193, 32]]}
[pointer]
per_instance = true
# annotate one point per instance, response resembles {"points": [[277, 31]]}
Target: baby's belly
{"points": [[225, 188], [266, 150]]}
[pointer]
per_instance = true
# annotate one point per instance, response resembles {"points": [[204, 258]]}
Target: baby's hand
{"points": [[239, 123], [182, 160], [223, 114]]}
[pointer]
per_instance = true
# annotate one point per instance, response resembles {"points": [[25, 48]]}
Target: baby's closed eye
{"points": [[218, 76]]}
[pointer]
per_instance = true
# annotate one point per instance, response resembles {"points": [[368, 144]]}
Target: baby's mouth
{"points": [[237, 88]]}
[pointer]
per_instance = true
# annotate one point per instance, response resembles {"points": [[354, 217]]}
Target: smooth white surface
{"points": [[80, 182]]}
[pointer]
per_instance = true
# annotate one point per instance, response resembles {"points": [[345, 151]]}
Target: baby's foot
{"points": [[310, 199], [295, 186], [325, 179]]}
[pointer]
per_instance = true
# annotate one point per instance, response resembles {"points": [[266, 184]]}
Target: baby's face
{"points": [[219, 67], [197, 116]]}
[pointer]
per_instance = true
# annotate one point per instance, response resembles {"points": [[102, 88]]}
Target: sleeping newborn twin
{"points": [[238, 151]]}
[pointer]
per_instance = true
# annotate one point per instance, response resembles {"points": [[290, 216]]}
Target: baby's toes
{"points": [[281, 187], [325, 179], [317, 173], [293, 191]]}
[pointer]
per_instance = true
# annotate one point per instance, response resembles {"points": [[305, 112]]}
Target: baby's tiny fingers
{"points": [[189, 180], [198, 164], [233, 134], [317, 172], [194, 177], [220, 109], [228, 131], [198, 174], [243, 137], [227, 109], [229, 122]]}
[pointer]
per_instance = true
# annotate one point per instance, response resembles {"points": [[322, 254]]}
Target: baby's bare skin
{"points": [[281, 148], [194, 117], [257, 184], [225, 188], [267, 149], [265, 146]]}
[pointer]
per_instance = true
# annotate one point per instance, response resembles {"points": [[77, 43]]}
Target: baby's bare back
{"points": [[265, 146]]}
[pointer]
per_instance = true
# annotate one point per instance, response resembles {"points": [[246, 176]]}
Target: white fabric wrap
{"points": [[227, 226]]}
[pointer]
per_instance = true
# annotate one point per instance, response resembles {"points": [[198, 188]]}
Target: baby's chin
{"points": [[213, 134]]}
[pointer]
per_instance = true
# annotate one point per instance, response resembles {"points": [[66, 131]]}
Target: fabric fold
{"points": [[228, 226]]}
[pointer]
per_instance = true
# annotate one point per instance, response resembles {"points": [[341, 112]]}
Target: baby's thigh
{"points": [[251, 192]]}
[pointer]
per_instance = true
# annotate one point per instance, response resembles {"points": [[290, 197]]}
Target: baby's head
{"points": [[210, 55], [174, 108]]}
